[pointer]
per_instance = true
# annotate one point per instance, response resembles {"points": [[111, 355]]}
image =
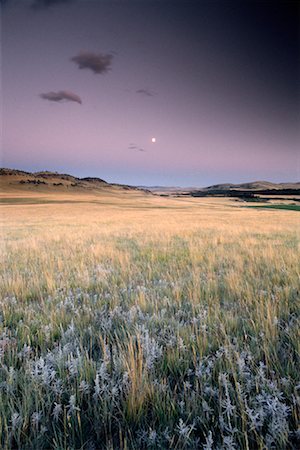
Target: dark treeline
{"points": [[243, 193]]}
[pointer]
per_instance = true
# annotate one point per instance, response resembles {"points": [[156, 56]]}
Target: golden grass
{"points": [[169, 260]]}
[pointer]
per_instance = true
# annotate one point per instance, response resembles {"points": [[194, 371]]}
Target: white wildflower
{"points": [[184, 430], [72, 408], [187, 385], [181, 405], [228, 443], [151, 349], [166, 434], [228, 407], [43, 429], [181, 344], [36, 417], [152, 437], [114, 391], [97, 388], [209, 442], [206, 408], [16, 421], [57, 410], [84, 387]]}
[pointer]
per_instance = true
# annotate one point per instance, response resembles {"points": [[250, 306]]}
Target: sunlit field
{"points": [[130, 321]]}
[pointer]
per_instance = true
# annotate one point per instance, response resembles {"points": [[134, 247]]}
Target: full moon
{"points": [[153, 140]]}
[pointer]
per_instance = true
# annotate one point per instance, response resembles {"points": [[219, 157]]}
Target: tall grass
{"points": [[149, 327]]}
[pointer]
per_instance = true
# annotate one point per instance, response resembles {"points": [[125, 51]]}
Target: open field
{"points": [[130, 321]]}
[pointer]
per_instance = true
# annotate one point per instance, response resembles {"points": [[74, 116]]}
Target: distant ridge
{"points": [[227, 188], [53, 181], [46, 174], [254, 185]]}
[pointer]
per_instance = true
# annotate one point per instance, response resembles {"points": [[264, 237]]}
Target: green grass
{"points": [[284, 207]]}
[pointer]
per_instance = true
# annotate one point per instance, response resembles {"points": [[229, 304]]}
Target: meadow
{"points": [[130, 321]]}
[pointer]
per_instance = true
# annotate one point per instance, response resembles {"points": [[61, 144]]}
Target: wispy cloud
{"points": [[61, 95], [133, 146], [97, 63], [146, 92]]}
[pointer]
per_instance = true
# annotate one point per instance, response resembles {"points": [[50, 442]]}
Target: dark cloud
{"points": [[61, 95], [145, 92], [141, 150], [44, 4], [97, 63], [37, 4]]}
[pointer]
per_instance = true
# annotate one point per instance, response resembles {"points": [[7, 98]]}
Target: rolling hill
{"points": [[253, 186], [53, 182], [20, 182]]}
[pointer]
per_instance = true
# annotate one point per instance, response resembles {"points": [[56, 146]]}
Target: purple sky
{"points": [[214, 82]]}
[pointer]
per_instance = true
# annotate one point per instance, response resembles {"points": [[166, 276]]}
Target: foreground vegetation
{"points": [[157, 323]]}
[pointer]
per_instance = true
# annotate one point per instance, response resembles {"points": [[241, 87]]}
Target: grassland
{"points": [[130, 321]]}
